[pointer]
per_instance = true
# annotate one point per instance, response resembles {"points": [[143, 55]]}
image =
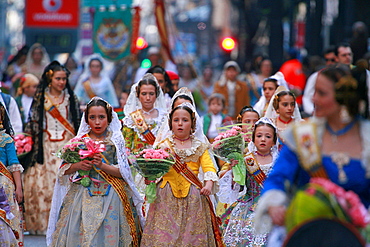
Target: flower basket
{"points": [[23, 143], [78, 149], [228, 146], [152, 164]]}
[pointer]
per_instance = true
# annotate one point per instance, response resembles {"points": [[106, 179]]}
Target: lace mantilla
{"points": [[190, 154]]}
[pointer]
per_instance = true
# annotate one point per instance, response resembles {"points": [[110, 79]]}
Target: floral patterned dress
{"points": [[238, 220], [95, 215]]}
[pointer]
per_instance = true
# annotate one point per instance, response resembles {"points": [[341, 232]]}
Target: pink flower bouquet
{"points": [[78, 149], [228, 146], [152, 164], [23, 143]]}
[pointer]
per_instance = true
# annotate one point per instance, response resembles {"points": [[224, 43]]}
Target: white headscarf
{"points": [[133, 102], [87, 73], [279, 77], [274, 151], [271, 112]]}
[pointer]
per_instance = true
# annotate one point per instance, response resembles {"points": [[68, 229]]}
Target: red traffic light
{"points": [[228, 44], [141, 43]]}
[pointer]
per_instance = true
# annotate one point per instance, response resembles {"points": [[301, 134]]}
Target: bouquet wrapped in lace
{"points": [[23, 143], [152, 164], [322, 198], [78, 149], [228, 146]]}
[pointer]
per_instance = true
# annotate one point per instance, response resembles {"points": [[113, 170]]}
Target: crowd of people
{"points": [[292, 134]]}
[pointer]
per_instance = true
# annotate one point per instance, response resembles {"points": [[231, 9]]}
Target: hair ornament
{"points": [[50, 74], [346, 81]]}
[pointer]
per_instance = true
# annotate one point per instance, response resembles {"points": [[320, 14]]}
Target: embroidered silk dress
{"points": [[9, 161], [96, 215], [39, 180], [180, 216], [238, 220]]}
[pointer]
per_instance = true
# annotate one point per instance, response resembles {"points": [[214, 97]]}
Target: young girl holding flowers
{"points": [[238, 229], [182, 214], [103, 213]]}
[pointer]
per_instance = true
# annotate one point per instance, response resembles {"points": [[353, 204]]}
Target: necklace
{"points": [[340, 132], [98, 137], [263, 155], [148, 112], [181, 140], [285, 122]]}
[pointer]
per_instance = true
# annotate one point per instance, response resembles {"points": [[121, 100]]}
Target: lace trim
{"points": [[190, 154], [127, 121], [61, 176], [15, 168], [263, 222], [229, 193]]}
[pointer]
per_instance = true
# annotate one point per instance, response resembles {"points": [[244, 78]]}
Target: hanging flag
{"points": [[112, 33], [135, 30], [160, 14]]}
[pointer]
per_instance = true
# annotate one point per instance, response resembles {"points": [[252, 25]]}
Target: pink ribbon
{"points": [[92, 148]]}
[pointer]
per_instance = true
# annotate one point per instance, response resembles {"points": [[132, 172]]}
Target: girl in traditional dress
{"points": [[183, 214], [94, 81], [54, 119], [11, 185], [283, 110], [105, 213], [238, 229]]}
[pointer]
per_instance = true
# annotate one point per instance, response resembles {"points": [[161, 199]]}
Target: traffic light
{"points": [[228, 44], [141, 43]]}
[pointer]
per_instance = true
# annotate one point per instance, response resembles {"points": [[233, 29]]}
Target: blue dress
{"points": [[287, 168]]}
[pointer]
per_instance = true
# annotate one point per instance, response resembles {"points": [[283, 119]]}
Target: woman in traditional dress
{"points": [[183, 214], [144, 114], [319, 148], [54, 119], [238, 228], [11, 184], [106, 212], [94, 81], [37, 59]]}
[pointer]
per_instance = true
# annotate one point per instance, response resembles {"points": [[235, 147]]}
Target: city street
{"points": [[34, 241]]}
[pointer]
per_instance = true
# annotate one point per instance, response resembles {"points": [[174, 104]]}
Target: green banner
{"points": [[99, 3], [112, 33]]}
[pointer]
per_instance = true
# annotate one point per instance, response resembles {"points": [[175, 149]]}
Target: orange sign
{"points": [[52, 13]]}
